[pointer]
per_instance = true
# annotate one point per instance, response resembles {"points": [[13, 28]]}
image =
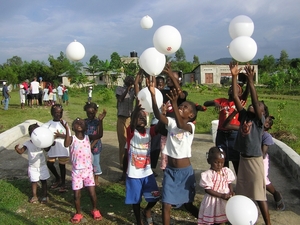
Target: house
{"points": [[212, 74]]}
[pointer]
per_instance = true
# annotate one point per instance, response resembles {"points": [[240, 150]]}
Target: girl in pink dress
{"points": [[217, 184], [82, 167]]}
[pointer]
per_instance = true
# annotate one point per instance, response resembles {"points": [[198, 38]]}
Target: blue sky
{"points": [[35, 29]]}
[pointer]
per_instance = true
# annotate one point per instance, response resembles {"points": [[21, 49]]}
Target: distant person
{"points": [[217, 183], [267, 140], [37, 169], [34, 87], [125, 97], [46, 95], [94, 129], [40, 96], [54, 91], [226, 135], [60, 92], [6, 96], [57, 151], [140, 180], [90, 93], [179, 179], [65, 97], [82, 167], [250, 179], [22, 93]]}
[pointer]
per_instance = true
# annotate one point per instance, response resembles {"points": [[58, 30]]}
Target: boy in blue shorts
{"points": [[140, 179]]}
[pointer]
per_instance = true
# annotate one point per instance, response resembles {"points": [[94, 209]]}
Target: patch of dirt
{"points": [[284, 136]]}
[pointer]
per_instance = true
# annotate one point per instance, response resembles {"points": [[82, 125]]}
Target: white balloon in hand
{"points": [[145, 99], [42, 137]]}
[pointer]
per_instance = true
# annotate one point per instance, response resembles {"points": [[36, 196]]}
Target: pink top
{"points": [[81, 155]]}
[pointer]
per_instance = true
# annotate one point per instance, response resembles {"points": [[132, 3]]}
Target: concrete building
{"points": [[212, 74]]}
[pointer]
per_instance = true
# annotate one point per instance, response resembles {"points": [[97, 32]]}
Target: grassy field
{"points": [[285, 108]]}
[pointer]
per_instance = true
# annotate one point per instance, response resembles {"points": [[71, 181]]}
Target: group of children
{"points": [[175, 122], [83, 147]]}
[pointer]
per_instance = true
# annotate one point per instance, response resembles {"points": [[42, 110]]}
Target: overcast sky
{"points": [[35, 29]]}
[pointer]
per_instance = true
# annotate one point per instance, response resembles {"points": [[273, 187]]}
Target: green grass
{"points": [[286, 122]]}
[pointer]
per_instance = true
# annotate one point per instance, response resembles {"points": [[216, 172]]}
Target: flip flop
{"points": [[280, 206], [149, 220], [96, 215], [62, 189], [55, 185], [44, 200], [34, 200], [76, 218]]}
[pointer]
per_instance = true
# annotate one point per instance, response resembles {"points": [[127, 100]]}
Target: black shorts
{"points": [[34, 96]]}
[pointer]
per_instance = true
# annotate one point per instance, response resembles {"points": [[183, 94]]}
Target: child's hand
{"points": [[234, 69], [168, 69], [102, 115], [151, 86], [174, 94], [164, 109], [250, 72], [243, 103], [17, 147], [225, 196]]}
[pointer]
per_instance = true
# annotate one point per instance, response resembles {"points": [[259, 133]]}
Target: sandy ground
{"points": [[13, 165]]}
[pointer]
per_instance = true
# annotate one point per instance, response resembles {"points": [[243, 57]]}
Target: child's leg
{"points": [[192, 209], [147, 212], [93, 196], [44, 188], [34, 189], [62, 168], [137, 213], [166, 212], [77, 196], [263, 206], [51, 167]]}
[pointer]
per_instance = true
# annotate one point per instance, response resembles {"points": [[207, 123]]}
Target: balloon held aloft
{"points": [[75, 51], [241, 210], [42, 137], [243, 49], [146, 22], [241, 26], [145, 99], [152, 61], [167, 39]]}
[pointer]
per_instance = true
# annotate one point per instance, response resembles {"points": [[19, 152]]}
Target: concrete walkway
{"points": [[14, 165]]}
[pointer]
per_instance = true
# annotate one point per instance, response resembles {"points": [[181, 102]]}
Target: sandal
{"points": [[76, 218], [44, 200], [34, 200], [96, 215], [280, 206], [62, 189], [149, 220], [55, 185]]}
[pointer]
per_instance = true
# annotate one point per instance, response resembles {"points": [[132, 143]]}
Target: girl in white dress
{"points": [[218, 189]]}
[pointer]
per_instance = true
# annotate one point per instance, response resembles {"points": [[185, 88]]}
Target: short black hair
{"points": [[89, 105], [32, 127]]}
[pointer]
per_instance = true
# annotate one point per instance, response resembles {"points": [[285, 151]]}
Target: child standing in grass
{"points": [[218, 189], [179, 179], [250, 179], [94, 129], [140, 179], [37, 169], [82, 167]]}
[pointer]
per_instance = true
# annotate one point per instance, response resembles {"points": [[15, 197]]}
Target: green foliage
{"points": [[279, 120], [180, 55], [104, 94]]}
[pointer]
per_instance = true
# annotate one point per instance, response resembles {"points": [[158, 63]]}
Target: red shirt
{"points": [[227, 107]]}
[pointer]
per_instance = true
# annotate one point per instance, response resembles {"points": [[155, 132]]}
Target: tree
{"points": [[93, 66], [180, 55], [7, 73], [36, 69], [115, 61], [283, 62], [196, 60], [267, 64], [58, 66], [76, 75], [14, 61]]}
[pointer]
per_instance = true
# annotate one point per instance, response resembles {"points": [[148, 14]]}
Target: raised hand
{"points": [[250, 72], [102, 115], [174, 94], [234, 69]]}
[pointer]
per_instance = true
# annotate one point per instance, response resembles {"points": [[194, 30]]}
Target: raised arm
{"points": [[138, 81], [20, 150], [234, 72], [68, 138], [250, 72], [158, 115], [170, 73]]}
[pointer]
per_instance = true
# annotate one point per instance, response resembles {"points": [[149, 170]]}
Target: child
{"points": [[54, 91], [140, 179], [22, 96], [57, 150], [37, 169], [90, 92], [66, 96], [94, 129], [82, 167], [218, 188], [250, 179], [179, 178], [267, 140]]}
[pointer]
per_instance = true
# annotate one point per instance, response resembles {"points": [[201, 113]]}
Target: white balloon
{"points": [[145, 99], [152, 61], [42, 137], [146, 22], [167, 39], [241, 26], [241, 210], [243, 48], [75, 51]]}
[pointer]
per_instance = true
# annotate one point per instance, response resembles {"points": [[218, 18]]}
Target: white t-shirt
{"points": [[90, 93], [60, 90], [36, 157], [179, 142], [34, 86], [58, 150]]}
